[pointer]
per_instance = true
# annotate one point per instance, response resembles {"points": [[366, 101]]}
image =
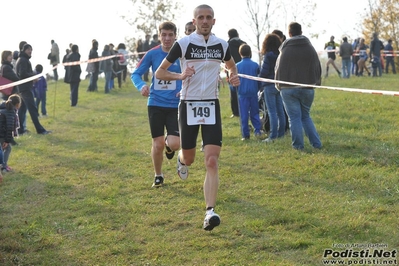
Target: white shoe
{"points": [[182, 169], [268, 140], [211, 220]]}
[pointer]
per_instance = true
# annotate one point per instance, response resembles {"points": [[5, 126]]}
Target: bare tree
{"points": [[262, 12], [302, 13], [259, 18]]}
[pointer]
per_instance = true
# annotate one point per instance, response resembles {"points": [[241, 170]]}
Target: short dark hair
{"points": [[245, 50], [295, 29], [345, 39], [167, 25], [204, 6], [39, 68], [21, 45], [74, 48], [280, 34], [121, 46], [232, 33]]}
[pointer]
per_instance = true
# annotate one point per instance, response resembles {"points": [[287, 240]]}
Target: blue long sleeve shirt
{"points": [[162, 93], [248, 87]]}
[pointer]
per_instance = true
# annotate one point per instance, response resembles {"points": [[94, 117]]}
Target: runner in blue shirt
{"points": [[163, 100]]}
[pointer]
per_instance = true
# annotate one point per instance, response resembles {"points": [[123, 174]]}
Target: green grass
{"points": [[83, 196]]}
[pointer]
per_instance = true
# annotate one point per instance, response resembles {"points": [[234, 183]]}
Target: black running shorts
{"points": [[211, 134]]}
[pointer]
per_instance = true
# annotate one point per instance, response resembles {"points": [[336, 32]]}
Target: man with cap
{"points": [[24, 70]]}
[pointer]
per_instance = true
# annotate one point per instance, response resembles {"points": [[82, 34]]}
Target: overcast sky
{"points": [[80, 21]]}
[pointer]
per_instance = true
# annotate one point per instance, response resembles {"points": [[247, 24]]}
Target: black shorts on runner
{"points": [[211, 134], [161, 117]]}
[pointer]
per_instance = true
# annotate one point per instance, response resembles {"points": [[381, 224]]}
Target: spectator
{"points": [[55, 58], [115, 66], [140, 49], [155, 41], [189, 28], [234, 44], [355, 57], [9, 124], [122, 61], [280, 34], [40, 90], [146, 47], [74, 74], [273, 100], [16, 54], [298, 62], [361, 49], [64, 60], [106, 67], [345, 51], [389, 57], [24, 70], [7, 70], [375, 54], [94, 67], [14, 58], [331, 46], [248, 94]]}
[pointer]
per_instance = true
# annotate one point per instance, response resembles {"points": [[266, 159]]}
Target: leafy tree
{"points": [[371, 22], [382, 18], [146, 15]]}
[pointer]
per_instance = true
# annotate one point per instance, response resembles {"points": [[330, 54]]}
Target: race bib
{"points": [[201, 113], [164, 85]]}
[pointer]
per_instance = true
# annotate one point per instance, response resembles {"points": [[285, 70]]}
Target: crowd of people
{"points": [[31, 97], [356, 56]]}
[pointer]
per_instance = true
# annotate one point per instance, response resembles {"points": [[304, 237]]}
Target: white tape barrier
{"points": [[391, 93], [383, 53], [63, 64]]}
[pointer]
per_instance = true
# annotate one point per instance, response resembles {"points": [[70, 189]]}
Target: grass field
{"points": [[83, 196]]}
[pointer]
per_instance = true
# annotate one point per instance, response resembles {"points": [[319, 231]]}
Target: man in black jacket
{"points": [[24, 70], [234, 44]]}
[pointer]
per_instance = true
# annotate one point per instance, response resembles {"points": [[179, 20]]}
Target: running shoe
{"points": [[182, 169], [211, 220], [158, 182]]}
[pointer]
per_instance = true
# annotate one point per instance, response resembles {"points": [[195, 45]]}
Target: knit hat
{"points": [[26, 46]]}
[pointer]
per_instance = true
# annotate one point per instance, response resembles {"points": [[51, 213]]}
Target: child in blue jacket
{"points": [[40, 90], [248, 94]]}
